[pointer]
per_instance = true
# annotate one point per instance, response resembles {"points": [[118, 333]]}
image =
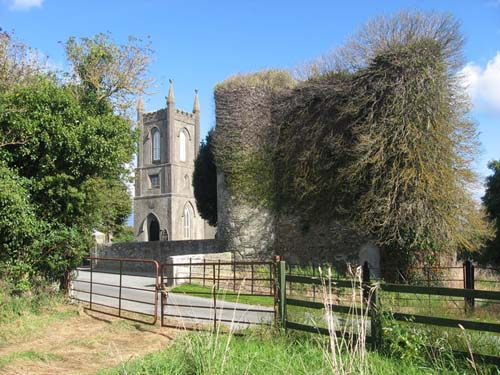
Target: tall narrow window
{"points": [[188, 218], [182, 146], [156, 144]]}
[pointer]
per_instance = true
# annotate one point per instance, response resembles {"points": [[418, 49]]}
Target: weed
{"points": [[22, 315]]}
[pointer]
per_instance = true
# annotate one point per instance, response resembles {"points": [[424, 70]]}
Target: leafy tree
{"points": [[111, 204], [31, 247], [491, 201], [64, 146], [19, 65], [107, 72], [63, 152], [205, 181], [19, 226], [123, 234], [70, 165]]}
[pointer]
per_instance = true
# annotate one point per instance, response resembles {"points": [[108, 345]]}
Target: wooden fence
{"points": [[371, 296]]}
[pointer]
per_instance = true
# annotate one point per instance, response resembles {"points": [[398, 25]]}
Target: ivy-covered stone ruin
{"points": [[371, 151]]}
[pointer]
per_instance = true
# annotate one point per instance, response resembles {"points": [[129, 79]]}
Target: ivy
{"points": [[379, 136]]}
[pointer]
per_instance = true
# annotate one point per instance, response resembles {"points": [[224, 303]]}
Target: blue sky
{"points": [[199, 43]]}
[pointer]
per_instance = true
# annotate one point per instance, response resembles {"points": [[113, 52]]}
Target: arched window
{"points": [[182, 146], [188, 221], [155, 135]]}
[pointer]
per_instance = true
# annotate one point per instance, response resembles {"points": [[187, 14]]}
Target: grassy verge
{"points": [[43, 334], [224, 295], [416, 337], [268, 354], [28, 315]]}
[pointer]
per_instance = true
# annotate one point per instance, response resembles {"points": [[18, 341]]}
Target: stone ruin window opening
{"points": [[155, 135]]}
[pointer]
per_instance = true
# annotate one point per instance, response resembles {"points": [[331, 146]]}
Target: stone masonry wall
{"points": [[244, 121], [246, 231], [161, 251], [247, 121], [336, 243]]}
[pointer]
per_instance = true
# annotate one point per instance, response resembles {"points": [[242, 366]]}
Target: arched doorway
{"points": [[154, 229]]}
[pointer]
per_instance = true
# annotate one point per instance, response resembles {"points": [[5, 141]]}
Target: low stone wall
{"points": [[335, 242], [180, 272], [161, 251]]}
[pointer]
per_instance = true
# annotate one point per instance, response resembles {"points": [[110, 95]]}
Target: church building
{"points": [[164, 203]]}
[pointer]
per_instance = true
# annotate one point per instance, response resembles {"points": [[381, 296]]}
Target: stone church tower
{"points": [[164, 204]]}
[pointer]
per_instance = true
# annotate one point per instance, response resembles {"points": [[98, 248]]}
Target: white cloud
{"points": [[493, 4], [25, 4], [483, 84]]}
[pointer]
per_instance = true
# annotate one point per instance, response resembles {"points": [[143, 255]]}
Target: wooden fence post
{"points": [[218, 276], [190, 265], [214, 295], [370, 297], [376, 321], [204, 269], [281, 285], [365, 277], [234, 275], [469, 284]]}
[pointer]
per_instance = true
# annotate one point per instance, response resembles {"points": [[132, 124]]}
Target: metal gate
{"points": [[237, 294], [121, 287], [193, 294]]}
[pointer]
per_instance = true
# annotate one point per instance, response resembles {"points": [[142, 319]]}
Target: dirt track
{"points": [[81, 344]]}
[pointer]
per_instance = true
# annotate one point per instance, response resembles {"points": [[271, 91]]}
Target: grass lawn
{"points": [[222, 294]]}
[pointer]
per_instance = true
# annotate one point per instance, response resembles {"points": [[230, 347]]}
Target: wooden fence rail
{"points": [[375, 311]]}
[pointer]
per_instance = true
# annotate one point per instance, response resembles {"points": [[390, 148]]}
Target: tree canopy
{"points": [[64, 148], [107, 72], [491, 201], [205, 181]]}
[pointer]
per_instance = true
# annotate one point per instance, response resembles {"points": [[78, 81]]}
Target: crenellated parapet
{"points": [[182, 113], [152, 117]]}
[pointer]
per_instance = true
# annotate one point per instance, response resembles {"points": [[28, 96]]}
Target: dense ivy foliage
{"points": [[379, 136], [245, 138]]}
